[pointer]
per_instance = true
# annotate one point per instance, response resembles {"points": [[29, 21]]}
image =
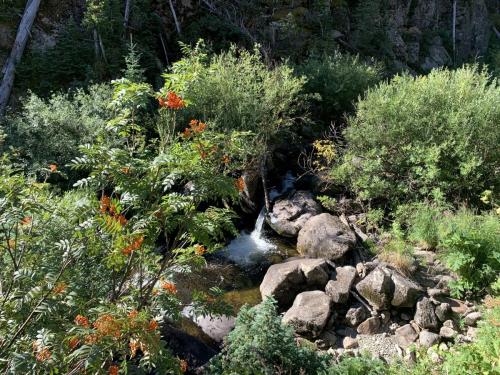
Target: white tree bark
{"points": [[454, 31], [126, 16], [177, 24], [9, 69]]}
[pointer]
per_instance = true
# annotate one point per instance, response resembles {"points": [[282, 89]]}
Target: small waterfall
{"points": [[249, 248]]}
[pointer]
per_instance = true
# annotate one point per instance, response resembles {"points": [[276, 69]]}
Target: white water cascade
{"points": [[248, 248]]}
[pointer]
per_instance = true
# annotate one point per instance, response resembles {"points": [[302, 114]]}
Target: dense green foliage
{"points": [[50, 131], [261, 344], [432, 136], [236, 91], [468, 243], [339, 79]]}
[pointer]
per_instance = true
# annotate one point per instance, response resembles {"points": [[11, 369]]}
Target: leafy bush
{"points": [[50, 131], [358, 366], [471, 248], [235, 90], [469, 243], [432, 136], [261, 344], [339, 79]]}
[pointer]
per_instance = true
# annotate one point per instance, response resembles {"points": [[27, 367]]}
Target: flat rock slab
{"points": [[405, 336], [406, 291], [309, 313]]}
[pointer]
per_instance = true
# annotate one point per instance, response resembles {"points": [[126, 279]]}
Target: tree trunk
{"points": [[126, 16], [454, 31], [9, 69], [177, 24]]}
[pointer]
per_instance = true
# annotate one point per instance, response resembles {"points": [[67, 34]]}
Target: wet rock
{"points": [[472, 318], [284, 280], [339, 286], [443, 312], [405, 336], [356, 315], [406, 292], [290, 214], [186, 346], [309, 313], [428, 339], [325, 236], [424, 315], [377, 288], [370, 326], [350, 343]]}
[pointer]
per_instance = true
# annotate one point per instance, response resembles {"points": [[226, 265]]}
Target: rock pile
{"points": [[339, 306]]}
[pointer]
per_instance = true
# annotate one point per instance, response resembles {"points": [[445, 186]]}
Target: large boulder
{"points": [[325, 236], [309, 313], [340, 284], [405, 336], [377, 288], [370, 326], [284, 280], [290, 214], [424, 314], [406, 292]]}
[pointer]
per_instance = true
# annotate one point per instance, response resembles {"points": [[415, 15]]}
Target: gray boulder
{"points": [[377, 288], [428, 339], [325, 236], [284, 280], [355, 315], [405, 336], [443, 312], [290, 214], [309, 313], [472, 318], [424, 314], [339, 286], [370, 326], [406, 292]]}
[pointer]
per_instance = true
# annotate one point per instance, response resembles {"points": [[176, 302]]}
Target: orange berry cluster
{"points": [[173, 101], [136, 244]]}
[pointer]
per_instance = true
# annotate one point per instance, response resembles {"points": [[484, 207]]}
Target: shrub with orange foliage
{"points": [[136, 244], [59, 288], [173, 101], [113, 370], [73, 342], [107, 325], [153, 325], [240, 184], [200, 250], [82, 321], [169, 287]]}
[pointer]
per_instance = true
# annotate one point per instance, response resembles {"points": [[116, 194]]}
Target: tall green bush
{"points": [[339, 79], [50, 131], [236, 90], [432, 136]]}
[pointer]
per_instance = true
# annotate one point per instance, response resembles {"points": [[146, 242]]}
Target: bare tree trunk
{"points": [[454, 31], [177, 24], [126, 16], [9, 69], [96, 43]]}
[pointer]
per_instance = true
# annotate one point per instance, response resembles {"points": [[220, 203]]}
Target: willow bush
{"points": [[433, 136]]}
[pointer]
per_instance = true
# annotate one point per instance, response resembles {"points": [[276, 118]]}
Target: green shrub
{"points": [[432, 136], [470, 245], [236, 91], [261, 344], [339, 79], [50, 131], [358, 366]]}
